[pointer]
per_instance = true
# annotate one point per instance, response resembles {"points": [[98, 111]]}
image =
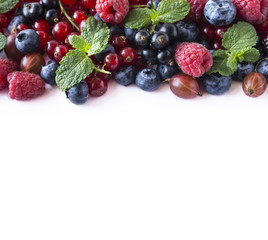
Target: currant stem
{"points": [[67, 16], [153, 29], [152, 3], [102, 70]]}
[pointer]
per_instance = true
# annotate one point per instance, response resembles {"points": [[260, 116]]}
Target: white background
{"points": [[133, 165]]}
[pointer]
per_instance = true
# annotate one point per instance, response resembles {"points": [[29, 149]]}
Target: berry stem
{"points": [[67, 16], [152, 3], [139, 6], [102, 70], [153, 29]]}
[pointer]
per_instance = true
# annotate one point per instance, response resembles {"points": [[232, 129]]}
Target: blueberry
{"points": [[264, 44], [216, 84], [48, 72], [148, 79], [188, 31], [100, 56], [166, 71], [116, 31], [17, 20], [97, 17], [155, 2], [212, 51], [149, 55], [50, 4], [175, 44], [164, 56], [243, 69], [52, 16], [126, 75], [78, 94], [220, 12], [142, 38], [171, 30], [33, 11], [263, 68], [160, 40], [130, 34], [27, 41]]}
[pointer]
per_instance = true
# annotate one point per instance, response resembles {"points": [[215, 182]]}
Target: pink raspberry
{"points": [[112, 11], [197, 9], [253, 11], [24, 85], [193, 58], [6, 66]]}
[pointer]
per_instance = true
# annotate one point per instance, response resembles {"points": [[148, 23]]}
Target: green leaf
{"points": [[75, 67], [138, 18], [96, 34], [220, 58], [232, 62], [79, 43], [3, 41], [240, 36], [170, 11], [7, 5], [252, 55]]}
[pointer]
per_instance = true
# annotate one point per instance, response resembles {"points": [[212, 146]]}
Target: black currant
{"points": [[160, 40], [149, 55], [50, 4], [52, 16], [142, 38], [33, 11], [171, 30]]}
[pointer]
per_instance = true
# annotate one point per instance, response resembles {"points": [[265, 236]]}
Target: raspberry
{"points": [[112, 11], [24, 85], [7, 66], [197, 9], [193, 58], [253, 11]]}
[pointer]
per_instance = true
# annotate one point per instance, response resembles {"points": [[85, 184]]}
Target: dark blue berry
{"points": [[142, 38], [48, 72], [100, 56], [160, 40], [171, 30], [216, 84], [203, 42], [155, 2], [130, 34], [97, 17], [126, 76], [148, 79], [166, 71], [212, 51], [50, 4], [262, 68], [27, 41], [116, 31], [149, 55], [78, 94], [17, 20], [188, 31], [243, 69], [33, 11], [164, 56], [220, 12]]}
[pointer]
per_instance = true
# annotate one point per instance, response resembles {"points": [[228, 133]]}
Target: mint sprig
{"points": [[7, 5], [239, 42], [168, 11], [3, 41], [77, 65]]}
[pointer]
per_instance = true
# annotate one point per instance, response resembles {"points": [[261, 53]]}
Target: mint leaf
{"points": [[170, 11], [3, 41], [252, 55], [7, 5], [96, 34], [75, 67], [79, 43], [138, 18], [240, 36], [232, 62], [220, 58]]}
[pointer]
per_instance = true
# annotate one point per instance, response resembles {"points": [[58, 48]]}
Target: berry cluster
{"points": [[183, 53]]}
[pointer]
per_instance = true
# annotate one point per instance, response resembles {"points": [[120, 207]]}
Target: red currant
{"points": [[93, 11], [61, 30], [216, 46], [89, 3], [219, 32], [82, 24], [138, 2], [119, 42], [67, 40], [51, 45], [69, 2], [207, 32], [44, 37], [22, 27], [60, 51], [96, 86], [79, 16], [4, 20], [263, 27], [112, 62], [129, 56], [41, 25]]}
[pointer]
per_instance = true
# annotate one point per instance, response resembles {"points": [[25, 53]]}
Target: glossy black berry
{"points": [[126, 76], [27, 41], [160, 40], [100, 56], [171, 30], [164, 56], [188, 31], [78, 94], [52, 16], [142, 38], [48, 72], [33, 11], [148, 79], [264, 44], [149, 55], [116, 31], [203, 42], [130, 34], [50, 4]]}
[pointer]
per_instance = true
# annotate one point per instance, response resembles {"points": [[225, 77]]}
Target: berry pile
{"points": [[81, 45]]}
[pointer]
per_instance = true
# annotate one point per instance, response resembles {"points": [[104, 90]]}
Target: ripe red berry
{"points": [[79, 16], [254, 84], [129, 56], [60, 51], [51, 45], [219, 32], [207, 32], [22, 27], [41, 25], [67, 40], [44, 38], [61, 30], [119, 42], [216, 45], [96, 86], [112, 62], [4, 20], [69, 2], [263, 27], [89, 3]]}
